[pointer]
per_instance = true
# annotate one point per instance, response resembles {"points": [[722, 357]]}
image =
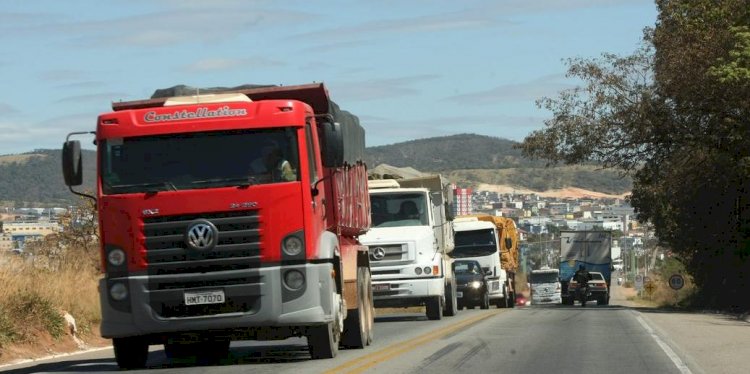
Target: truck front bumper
{"points": [[262, 302], [406, 292]]}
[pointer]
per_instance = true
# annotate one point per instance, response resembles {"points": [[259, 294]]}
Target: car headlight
{"points": [[475, 284]]}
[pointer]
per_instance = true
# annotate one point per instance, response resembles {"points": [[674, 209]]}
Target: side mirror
{"points": [[72, 163], [508, 243]]}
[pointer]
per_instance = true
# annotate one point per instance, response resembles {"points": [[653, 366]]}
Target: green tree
{"points": [[676, 116]]}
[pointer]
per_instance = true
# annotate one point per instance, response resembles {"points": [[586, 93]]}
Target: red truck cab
{"points": [[230, 216]]}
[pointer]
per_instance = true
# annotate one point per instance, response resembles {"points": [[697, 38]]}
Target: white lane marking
{"points": [[664, 347]]}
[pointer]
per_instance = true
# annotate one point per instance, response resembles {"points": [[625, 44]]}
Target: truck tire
{"points": [[323, 340], [451, 301], [131, 352], [434, 309], [485, 300], [357, 325], [512, 301], [503, 302]]}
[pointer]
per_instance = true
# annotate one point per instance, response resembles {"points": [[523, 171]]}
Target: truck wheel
{"points": [[503, 302], [434, 309], [512, 301], [370, 306], [131, 352], [323, 340], [485, 300], [451, 301], [356, 326]]}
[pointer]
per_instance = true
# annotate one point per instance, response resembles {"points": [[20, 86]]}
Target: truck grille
{"points": [[173, 268], [391, 252]]}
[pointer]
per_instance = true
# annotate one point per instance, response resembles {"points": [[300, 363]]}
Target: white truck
{"points": [[410, 242], [479, 240], [545, 286]]}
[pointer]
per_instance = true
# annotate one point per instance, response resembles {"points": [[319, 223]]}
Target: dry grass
{"points": [[664, 296], [7, 159], [33, 297]]}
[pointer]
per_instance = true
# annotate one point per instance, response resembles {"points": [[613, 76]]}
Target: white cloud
{"points": [[209, 22], [62, 75], [430, 23], [214, 64], [515, 92], [7, 109], [380, 88], [95, 97]]}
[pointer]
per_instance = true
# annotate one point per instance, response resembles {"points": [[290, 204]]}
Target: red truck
{"points": [[230, 216]]}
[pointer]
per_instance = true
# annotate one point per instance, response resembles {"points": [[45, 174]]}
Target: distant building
{"points": [[462, 204], [15, 235]]}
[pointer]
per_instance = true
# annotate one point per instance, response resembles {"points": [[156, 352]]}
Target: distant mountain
{"points": [[466, 159], [471, 160], [455, 152], [35, 178]]}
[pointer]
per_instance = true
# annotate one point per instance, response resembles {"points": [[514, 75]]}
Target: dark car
{"points": [[471, 285]]}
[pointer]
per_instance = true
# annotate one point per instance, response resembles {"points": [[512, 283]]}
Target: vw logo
{"points": [[378, 253], [201, 235]]}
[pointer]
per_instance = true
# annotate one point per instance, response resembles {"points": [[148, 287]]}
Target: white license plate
{"points": [[459, 294], [381, 287], [204, 297]]}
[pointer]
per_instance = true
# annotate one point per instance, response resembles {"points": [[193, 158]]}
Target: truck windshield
{"points": [[399, 209], [474, 243], [536, 278], [198, 160]]}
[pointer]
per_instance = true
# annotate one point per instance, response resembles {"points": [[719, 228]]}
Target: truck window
{"points": [[198, 160], [474, 243], [543, 278], [397, 209]]}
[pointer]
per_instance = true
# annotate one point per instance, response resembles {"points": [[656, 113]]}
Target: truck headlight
{"points": [[294, 279], [418, 271], [427, 270], [118, 291], [116, 257], [292, 245], [475, 284]]}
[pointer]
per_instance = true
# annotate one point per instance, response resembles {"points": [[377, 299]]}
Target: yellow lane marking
{"points": [[365, 362]]}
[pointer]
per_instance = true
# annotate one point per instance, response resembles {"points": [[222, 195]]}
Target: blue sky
{"points": [[409, 69]]}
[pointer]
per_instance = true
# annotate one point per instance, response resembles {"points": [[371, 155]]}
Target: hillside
{"points": [[36, 178], [474, 160], [466, 159], [455, 152]]}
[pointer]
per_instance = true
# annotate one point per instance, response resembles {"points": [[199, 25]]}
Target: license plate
{"points": [[459, 294], [381, 287], [204, 297]]}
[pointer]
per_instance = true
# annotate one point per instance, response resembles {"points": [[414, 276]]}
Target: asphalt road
{"points": [[536, 339]]}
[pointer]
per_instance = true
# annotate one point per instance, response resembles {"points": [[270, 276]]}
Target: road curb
{"points": [[52, 357]]}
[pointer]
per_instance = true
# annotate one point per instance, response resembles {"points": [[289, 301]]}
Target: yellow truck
{"points": [[493, 242]]}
